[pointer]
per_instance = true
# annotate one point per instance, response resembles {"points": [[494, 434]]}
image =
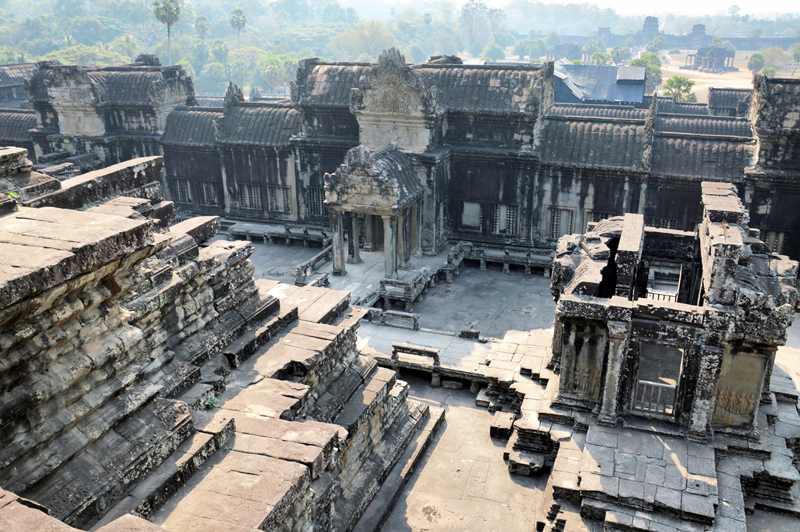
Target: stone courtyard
{"points": [[463, 481], [188, 377]]}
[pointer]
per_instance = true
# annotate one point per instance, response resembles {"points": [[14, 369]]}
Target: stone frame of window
{"points": [[554, 221], [279, 194], [182, 190], [512, 219], [247, 193], [209, 188], [481, 217], [316, 202]]}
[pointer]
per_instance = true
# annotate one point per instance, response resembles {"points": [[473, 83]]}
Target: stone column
{"points": [[416, 224], [390, 246], [704, 397], [339, 249], [354, 237], [402, 241], [367, 232], [617, 345]]}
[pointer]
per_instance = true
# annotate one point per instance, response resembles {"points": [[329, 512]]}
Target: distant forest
{"points": [[257, 44]]}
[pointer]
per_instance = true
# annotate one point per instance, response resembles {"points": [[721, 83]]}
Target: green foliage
{"points": [[576, 62], [680, 88], [493, 51], [238, 22], [447, 43], [630, 42], [80, 54], [552, 39], [620, 54], [674, 51], [126, 45], [200, 54], [417, 53], [363, 40], [533, 48], [591, 47], [756, 62], [480, 22], [658, 43], [219, 49], [769, 72], [775, 57], [600, 58], [278, 71], [652, 64], [167, 12], [756, 33], [9, 55], [201, 27]]}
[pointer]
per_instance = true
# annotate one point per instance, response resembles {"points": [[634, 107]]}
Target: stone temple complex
{"points": [[152, 378]]}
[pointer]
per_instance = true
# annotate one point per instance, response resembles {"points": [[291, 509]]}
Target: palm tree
{"points": [[128, 45], [238, 22], [167, 12], [201, 27]]}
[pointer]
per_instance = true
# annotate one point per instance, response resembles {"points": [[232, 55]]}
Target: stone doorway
{"points": [[657, 382]]}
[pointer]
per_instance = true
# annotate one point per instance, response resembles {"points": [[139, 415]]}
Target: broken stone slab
{"points": [[502, 425], [525, 463], [98, 185], [201, 228], [452, 385]]}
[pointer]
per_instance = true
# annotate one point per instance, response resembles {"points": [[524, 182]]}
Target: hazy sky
{"points": [[687, 7]]}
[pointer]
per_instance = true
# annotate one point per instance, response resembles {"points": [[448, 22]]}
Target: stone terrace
{"points": [[145, 372]]}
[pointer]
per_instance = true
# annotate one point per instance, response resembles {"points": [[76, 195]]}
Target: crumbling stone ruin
{"points": [[666, 413], [501, 160], [147, 376]]}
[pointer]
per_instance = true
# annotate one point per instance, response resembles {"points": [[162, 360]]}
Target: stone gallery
{"points": [[500, 160], [149, 381]]}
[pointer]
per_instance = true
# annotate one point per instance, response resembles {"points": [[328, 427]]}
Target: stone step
{"points": [[483, 399], [342, 388], [375, 389], [149, 496], [385, 499], [32, 465], [81, 491], [378, 465]]}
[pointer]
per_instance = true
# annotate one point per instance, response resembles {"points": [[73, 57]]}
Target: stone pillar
{"points": [[617, 345], [354, 237], [390, 246], [402, 218], [367, 232], [339, 249], [704, 397], [416, 224]]}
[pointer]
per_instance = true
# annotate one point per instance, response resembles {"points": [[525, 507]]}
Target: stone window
{"points": [[183, 191], [208, 193], [250, 197], [504, 219], [657, 382], [663, 223], [471, 215], [279, 199], [560, 222], [774, 240], [316, 202]]}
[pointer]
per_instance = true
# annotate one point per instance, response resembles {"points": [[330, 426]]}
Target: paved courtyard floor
{"points": [[463, 483]]}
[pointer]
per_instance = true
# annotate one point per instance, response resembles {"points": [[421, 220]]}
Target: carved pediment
{"points": [[394, 87]]}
